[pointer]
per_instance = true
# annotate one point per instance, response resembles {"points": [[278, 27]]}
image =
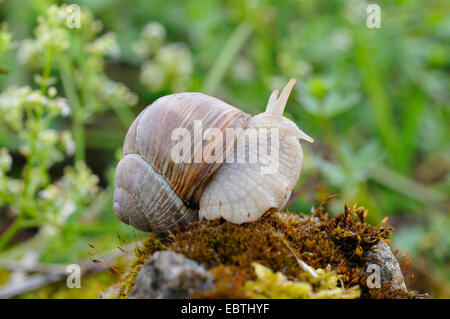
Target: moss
{"points": [[275, 241], [148, 247], [276, 285], [230, 281], [385, 293]]}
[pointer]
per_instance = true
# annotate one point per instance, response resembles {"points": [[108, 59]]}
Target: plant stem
{"points": [[9, 234], [32, 125], [46, 72], [406, 186], [125, 115], [229, 52], [379, 100], [77, 111]]}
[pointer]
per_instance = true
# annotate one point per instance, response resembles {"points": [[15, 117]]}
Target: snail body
{"points": [[154, 192]]}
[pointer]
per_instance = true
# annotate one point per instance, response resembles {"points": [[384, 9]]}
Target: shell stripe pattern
{"points": [[148, 144]]}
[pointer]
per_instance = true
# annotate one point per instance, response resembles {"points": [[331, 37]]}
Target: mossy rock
{"points": [[276, 241]]}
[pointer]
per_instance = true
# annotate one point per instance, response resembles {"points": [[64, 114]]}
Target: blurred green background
{"points": [[376, 101]]}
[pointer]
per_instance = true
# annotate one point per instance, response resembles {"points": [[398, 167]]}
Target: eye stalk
{"points": [[276, 104], [272, 101]]}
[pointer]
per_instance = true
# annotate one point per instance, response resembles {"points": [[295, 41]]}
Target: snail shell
{"points": [[154, 193]]}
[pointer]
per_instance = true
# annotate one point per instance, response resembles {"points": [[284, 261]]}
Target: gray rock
{"points": [[389, 269], [170, 275]]}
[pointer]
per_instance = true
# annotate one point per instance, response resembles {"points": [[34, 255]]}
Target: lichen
{"points": [[275, 285], [275, 241]]}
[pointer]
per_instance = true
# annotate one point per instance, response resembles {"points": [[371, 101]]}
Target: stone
{"points": [[167, 274], [390, 271]]}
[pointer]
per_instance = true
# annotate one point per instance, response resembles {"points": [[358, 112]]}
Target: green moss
{"points": [[274, 241], [276, 285], [149, 246]]}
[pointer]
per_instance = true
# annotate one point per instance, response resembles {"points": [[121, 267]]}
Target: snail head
{"points": [[274, 113]]}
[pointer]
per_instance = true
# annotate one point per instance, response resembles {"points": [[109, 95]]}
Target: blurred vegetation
{"points": [[376, 102]]}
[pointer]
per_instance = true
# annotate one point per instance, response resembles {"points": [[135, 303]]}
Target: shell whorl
{"points": [[152, 192]]}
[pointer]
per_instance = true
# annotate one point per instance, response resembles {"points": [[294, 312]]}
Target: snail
{"points": [[154, 192]]}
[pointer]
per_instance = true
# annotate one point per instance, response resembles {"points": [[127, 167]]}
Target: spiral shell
{"points": [[152, 192]]}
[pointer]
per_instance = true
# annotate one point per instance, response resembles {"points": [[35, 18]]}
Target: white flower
{"points": [[69, 144], [44, 194], [152, 75], [48, 136], [49, 229], [5, 160], [152, 38], [67, 209], [52, 92], [63, 106], [105, 45], [15, 186], [154, 32], [37, 98]]}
